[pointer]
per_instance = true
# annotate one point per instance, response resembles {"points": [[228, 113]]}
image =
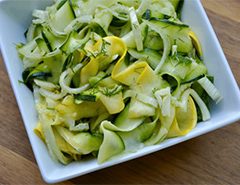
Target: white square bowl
{"points": [[15, 17]]}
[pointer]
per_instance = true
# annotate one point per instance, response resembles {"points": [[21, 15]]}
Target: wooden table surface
{"points": [[213, 158]]}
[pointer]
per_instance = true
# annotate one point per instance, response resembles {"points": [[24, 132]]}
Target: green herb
{"points": [[111, 91]]}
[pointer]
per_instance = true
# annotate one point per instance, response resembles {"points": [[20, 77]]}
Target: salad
{"points": [[112, 76]]}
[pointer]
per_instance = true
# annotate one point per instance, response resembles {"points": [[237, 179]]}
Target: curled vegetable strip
{"points": [[181, 89], [183, 103], [115, 9], [136, 138], [46, 85], [139, 76], [159, 132], [166, 44], [123, 120], [212, 91], [136, 29], [36, 94], [41, 16], [184, 121], [118, 139], [141, 97], [164, 100], [66, 77], [48, 89], [157, 136], [166, 52], [83, 142], [52, 95], [112, 143], [79, 127], [50, 138], [204, 110], [78, 22], [121, 128], [184, 99], [114, 104], [142, 7]]}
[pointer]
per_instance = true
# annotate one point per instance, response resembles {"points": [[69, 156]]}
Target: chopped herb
{"points": [[111, 91]]}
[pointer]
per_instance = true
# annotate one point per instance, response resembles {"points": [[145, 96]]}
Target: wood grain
{"points": [[209, 159]]}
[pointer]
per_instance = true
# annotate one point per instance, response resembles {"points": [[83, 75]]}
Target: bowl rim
{"points": [[51, 178]]}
